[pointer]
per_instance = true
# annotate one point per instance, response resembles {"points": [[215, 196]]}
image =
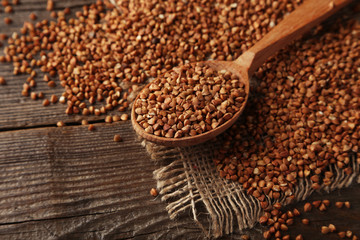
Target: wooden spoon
{"points": [[307, 15]]}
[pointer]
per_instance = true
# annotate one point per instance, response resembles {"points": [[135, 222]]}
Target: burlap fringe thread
{"points": [[187, 179]]}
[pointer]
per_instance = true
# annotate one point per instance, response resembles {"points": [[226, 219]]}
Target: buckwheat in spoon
{"points": [[197, 101]]}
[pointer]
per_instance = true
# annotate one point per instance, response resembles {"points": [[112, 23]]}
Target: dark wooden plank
{"points": [[17, 111], [344, 219], [70, 183]]}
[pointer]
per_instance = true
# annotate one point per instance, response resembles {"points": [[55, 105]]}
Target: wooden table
{"points": [[70, 183]]}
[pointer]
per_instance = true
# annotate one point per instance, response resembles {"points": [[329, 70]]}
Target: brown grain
{"points": [[124, 117], [117, 138], [40, 95], [332, 228], [326, 202], [307, 207], [108, 119], [51, 84], [325, 230], [154, 192], [46, 102], [305, 221], [5, 3], [91, 127], [290, 222], [299, 237], [60, 124], [339, 204], [267, 234], [50, 5], [53, 99], [296, 212], [322, 207], [116, 118], [341, 234], [245, 237], [33, 95], [8, 9], [316, 204], [67, 11], [2, 81], [32, 16], [7, 20], [263, 219]]}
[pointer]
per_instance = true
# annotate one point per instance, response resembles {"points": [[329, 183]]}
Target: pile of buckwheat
{"points": [[104, 53], [305, 116], [189, 100]]}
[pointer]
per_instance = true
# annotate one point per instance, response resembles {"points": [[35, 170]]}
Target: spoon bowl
{"points": [[302, 19], [230, 66]]}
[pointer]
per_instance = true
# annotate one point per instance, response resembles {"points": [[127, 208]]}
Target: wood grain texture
{"points": [[70, 183]]}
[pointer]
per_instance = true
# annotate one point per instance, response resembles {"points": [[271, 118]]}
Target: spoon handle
{"points": [[307, 15]]}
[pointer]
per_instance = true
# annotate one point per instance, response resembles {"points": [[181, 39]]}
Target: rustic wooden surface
{"points": [[70, 183]]}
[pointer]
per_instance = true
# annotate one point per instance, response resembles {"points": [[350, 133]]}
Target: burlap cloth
{"points": [[187, 180]]}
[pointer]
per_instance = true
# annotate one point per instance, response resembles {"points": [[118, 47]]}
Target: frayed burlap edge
{"points": [[187, 179]]}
